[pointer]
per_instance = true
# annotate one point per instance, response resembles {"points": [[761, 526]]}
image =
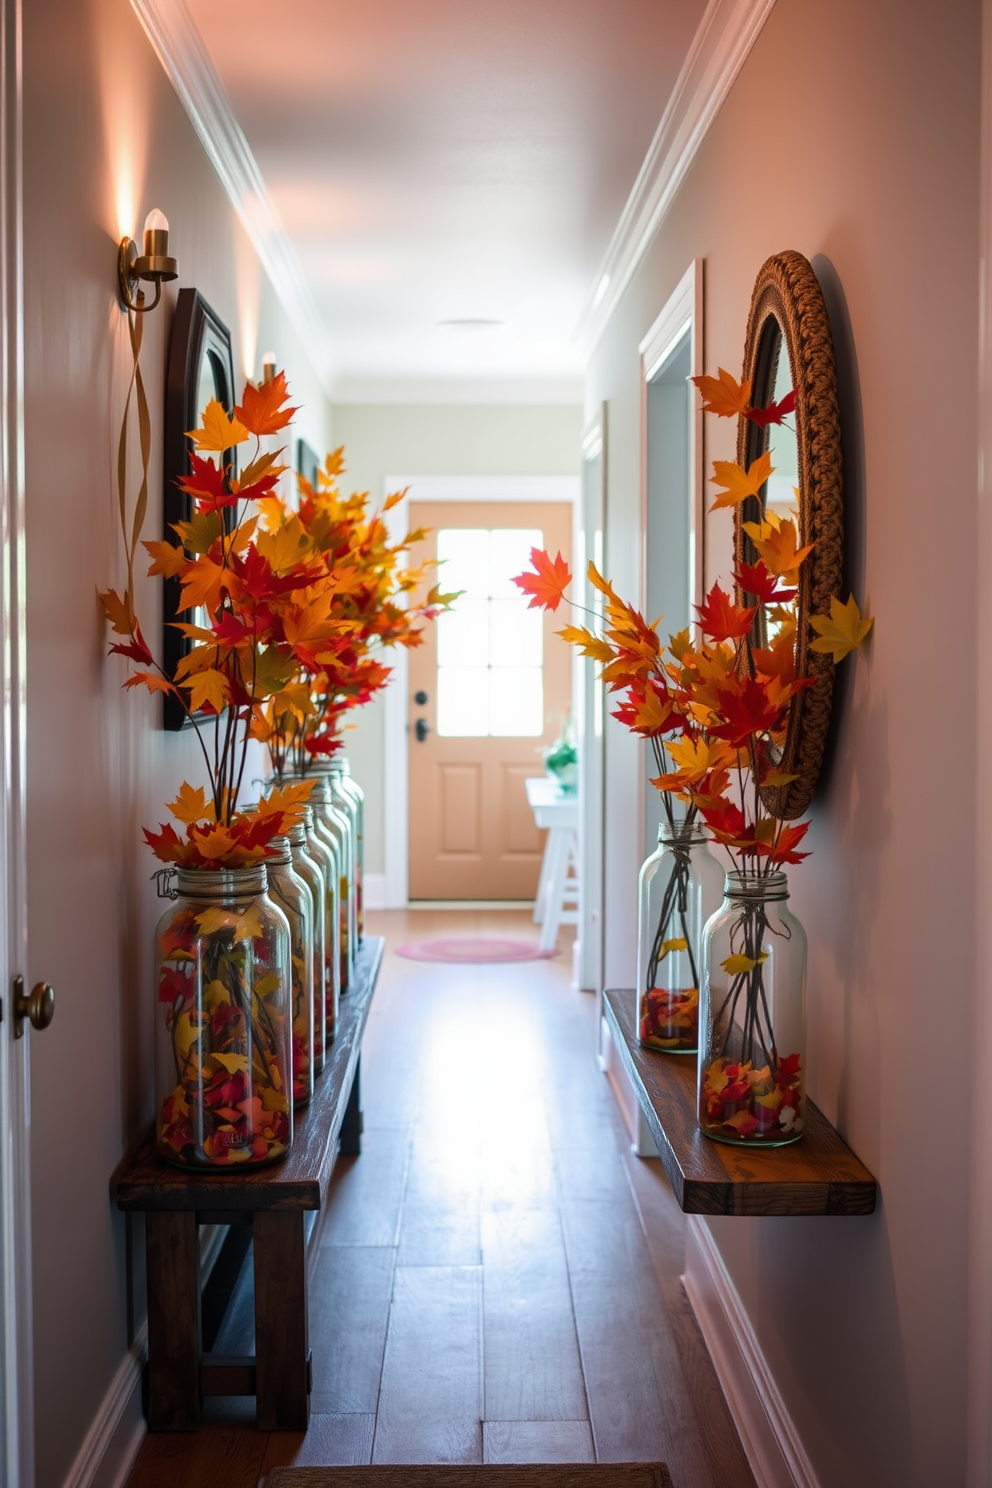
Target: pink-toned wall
{"points": [[105, 140], [852, 135]]}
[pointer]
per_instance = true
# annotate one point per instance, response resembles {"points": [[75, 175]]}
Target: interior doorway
{"points": [[486, 692]]}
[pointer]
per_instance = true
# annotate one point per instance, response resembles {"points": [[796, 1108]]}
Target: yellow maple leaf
{"points": [[235, 1064], [740, 964], [118, 611], [842, 631], [167, 558], [192, 805], [210, 686], [204, 584], [738, 482], [209, 921], [723, 394], [286, 547], [185, 1034], [218, 431], [677, 943], [269, 983], [589, 645], [249, 927]]}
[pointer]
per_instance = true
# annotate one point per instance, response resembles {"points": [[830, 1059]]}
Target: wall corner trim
{"points": [[111, 1445], [726, 34], [769, 1437], [179, 47]]}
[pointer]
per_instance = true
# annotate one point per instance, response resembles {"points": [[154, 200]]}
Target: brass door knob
{"points": [[38, 1006]]}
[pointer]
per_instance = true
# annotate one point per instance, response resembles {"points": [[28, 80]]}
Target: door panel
{"points": [[472, 834]]}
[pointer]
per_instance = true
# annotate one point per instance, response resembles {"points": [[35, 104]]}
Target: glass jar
{"points": [[326, 859], [292, 895], [351, 785], [680, 886], [752, 1021], [346, 804], [334, 828], [308, 870], [224, 1052]]}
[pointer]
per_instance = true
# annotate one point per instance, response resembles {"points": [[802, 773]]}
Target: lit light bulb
{"points": [[156, 234]]}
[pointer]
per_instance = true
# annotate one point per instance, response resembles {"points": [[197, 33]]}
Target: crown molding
{"points": [[727, 32], [179, 47]]}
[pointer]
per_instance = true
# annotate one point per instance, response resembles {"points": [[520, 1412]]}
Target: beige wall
{"points": [[381, 440], [101, 122], [852, 135]]}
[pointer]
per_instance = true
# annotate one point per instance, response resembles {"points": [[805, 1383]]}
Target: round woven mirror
{"points": [[789, 347]]}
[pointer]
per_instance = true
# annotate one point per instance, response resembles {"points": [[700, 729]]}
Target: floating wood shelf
{"points": [[817, 1175]]}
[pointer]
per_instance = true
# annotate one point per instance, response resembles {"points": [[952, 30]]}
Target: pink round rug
{"points": [[471, 948]]}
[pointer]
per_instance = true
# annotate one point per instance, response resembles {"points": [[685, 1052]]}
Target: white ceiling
{"points": [[439, 160]]}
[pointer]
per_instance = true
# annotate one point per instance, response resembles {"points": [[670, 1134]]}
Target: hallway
{"points": [[501, 1276]]}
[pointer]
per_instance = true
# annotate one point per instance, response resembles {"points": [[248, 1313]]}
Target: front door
{"points": [[489, 689]]}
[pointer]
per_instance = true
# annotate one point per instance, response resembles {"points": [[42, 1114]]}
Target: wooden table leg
{"points": [[173, 1258], [352, 1123], [281, 1347]]}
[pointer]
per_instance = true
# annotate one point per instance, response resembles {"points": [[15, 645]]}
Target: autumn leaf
{"points": [[745, 710], [739, 483], [721, 619], [191, 805], [589, 644], [262, 411], [218, 432], [167, 557], [235, 1064], [740, 965], [151, 680], [754, 579], [774, 412], [776, 545], [677, 943], [723, 394], [843, 631], [208, 688], [210, 921], [249, 926], [204, 584], [548, 583], [118, 611]]}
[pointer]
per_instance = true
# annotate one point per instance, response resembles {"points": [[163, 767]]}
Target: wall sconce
{"points": [[268, 367], [154, 265]]}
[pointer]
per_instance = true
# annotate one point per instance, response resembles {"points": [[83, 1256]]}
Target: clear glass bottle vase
{"points": [[288, 890], [224, 1053], [325, 856], [334, 827], [752, 1024], [351, 786], [308, 870], [680, 886]]}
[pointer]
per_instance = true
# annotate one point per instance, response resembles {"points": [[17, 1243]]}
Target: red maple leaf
{"points": [[746, 710], [726, 820], [784, 850], [137, 650], [721, 619], [757, 581], [548, 583], [206, 484], [774, 413]]}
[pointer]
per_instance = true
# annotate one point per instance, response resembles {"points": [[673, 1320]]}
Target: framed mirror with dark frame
{"points": [[789, 347], [200, 367], [307, 462]]}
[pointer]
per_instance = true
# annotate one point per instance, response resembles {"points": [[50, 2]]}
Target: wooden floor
{"points": [[499, 1276]]}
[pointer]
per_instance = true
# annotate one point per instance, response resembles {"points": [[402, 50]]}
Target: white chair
{"points": [[558, 885]]}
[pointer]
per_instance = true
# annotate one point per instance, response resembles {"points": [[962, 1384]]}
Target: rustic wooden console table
{"points": [[817, 1175], [277, 1202]]}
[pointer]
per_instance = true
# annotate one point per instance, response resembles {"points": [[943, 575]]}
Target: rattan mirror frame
{"points": [[787, 288]]}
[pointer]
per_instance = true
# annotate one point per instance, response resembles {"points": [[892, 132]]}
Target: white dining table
{"points": [[557, 901]]}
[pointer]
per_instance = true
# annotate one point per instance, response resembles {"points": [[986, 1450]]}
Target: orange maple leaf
{"points": [[723, 394], [548, 583], [262, 410], [739, 483]]}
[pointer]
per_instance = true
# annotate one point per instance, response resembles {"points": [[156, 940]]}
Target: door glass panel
{"points": [[489, 645]]}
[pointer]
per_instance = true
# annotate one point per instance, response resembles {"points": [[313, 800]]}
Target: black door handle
{"points": [[420, 698], [421, 728]]}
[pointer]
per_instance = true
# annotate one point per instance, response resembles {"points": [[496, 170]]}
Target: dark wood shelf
{"points": [[819, 1174]]}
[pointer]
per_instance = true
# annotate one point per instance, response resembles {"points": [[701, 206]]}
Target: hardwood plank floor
{"points": [[498, 1275]]}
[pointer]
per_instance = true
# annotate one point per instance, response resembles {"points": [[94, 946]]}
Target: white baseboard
{"points": [[769, 1438], [111, 1445]]}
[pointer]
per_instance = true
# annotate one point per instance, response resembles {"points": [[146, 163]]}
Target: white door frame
{"points": [[590, 710], [17, 1463], [396, 732]]}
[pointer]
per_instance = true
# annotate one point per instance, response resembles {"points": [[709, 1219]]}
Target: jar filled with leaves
{"points": [[326, 859], [224, 1052], [334, 830], [752, 1022], [291, 894], [680, 887]]}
